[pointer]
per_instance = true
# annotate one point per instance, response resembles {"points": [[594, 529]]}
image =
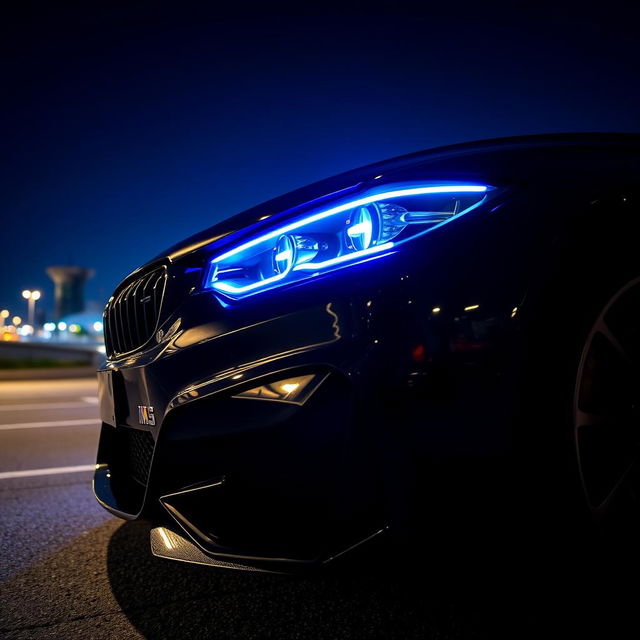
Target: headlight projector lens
{"points": [[283, 255], [364, 229]]}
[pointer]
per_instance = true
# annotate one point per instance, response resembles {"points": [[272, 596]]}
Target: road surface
{"points": [[70, 570]]}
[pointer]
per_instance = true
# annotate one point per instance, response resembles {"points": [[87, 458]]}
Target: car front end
{"points": [[275, 386]]}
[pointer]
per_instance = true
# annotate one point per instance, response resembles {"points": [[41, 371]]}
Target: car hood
{"points": [[469, 161]]}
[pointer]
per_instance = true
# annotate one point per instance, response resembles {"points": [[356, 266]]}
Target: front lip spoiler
{"points": [[170, 545], [167, 544], [208, 546]]}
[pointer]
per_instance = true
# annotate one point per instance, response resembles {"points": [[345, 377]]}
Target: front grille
{"points": [[131, 317], [139, 451]]}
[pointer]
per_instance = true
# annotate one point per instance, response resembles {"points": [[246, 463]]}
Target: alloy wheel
{"points": [[606, 408]]}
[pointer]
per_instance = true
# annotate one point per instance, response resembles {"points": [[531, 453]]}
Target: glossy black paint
{"points": [[424, 351]]}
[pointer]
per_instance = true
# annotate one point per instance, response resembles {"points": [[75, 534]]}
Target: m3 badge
{"points": [[145, 415]]}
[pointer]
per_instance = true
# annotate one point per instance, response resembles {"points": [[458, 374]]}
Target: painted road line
{"points": [[45, 425], [52, 471], [45, 405]]}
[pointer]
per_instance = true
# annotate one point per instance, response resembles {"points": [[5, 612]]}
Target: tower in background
{"points": [[69, 288]]}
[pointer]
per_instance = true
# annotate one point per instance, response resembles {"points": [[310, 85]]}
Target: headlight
{"points": [[368, 227]]}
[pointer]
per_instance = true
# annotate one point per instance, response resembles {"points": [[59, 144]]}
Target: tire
{"points": [[564, 335]]}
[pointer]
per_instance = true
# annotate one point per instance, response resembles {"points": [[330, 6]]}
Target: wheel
{"points": [[606, 411], [577, 425]]}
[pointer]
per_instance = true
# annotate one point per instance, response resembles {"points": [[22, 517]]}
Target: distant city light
{"points": [[16, 320], [26, 330], [49, 326], [4, 313], [97, 327], [75, 328], [62, 326]]}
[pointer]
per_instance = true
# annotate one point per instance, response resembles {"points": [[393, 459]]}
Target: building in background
{"points": [[69, 289]]}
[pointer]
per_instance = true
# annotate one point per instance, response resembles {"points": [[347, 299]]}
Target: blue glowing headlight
{"points": [[370, 226]]}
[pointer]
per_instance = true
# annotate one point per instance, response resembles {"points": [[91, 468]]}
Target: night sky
{"points": [[125, 130]]}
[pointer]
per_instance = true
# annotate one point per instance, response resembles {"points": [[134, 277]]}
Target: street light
{"points": [[4, 314], [31, 296], [17, 320]]}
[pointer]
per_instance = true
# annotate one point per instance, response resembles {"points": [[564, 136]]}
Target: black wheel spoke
{"points": [[604, 329], [608, 384], [607, 450], [622, 485], [606, 460], [589, 419]]}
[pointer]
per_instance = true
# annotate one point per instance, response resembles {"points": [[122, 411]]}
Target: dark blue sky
{"points": [[125, 130]]}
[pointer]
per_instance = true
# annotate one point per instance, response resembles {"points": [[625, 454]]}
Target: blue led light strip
{"points": [[415, 191], [360, 256], [225, 287]]}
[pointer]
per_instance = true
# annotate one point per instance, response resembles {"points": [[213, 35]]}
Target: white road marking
{"points": [[46, 405], [41, 425], [51, 390], [30, 473]]}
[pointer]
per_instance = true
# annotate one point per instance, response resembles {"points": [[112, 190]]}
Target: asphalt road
{"points": [[69, 570]]}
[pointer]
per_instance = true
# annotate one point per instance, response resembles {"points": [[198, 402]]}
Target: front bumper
{"points": [[241, 478], [270, 484]]}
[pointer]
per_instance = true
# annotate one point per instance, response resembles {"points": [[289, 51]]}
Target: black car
{"points": [[321, 370]]}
